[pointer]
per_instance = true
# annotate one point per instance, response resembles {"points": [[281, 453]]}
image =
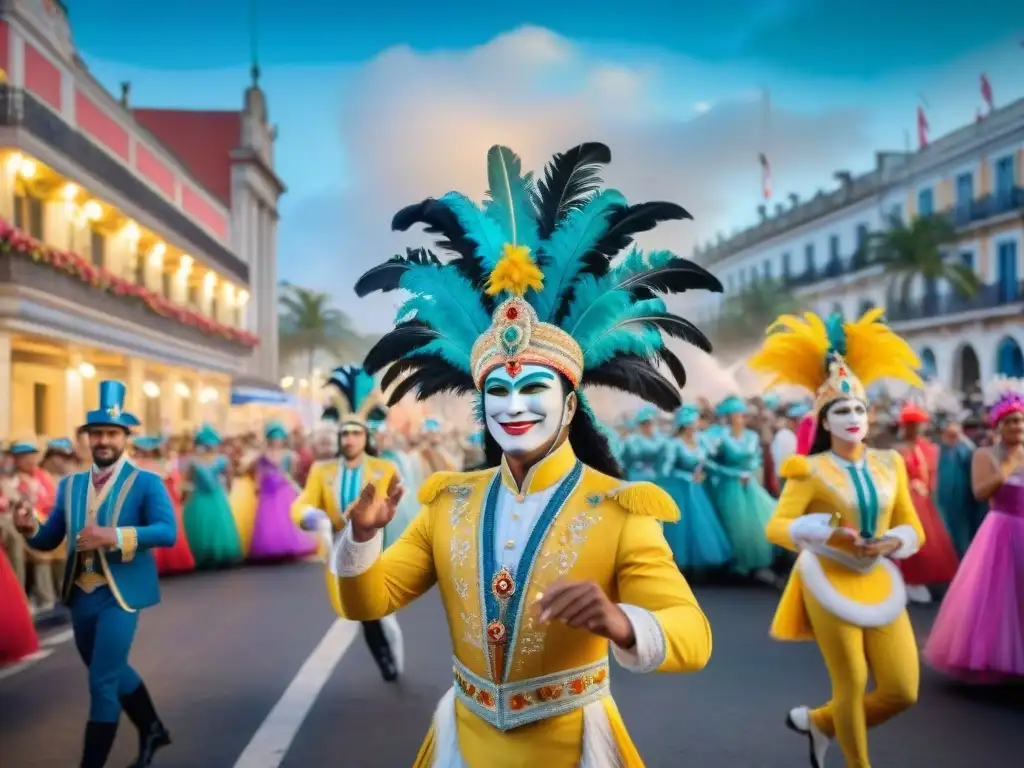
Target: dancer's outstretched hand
{"points": [[369, 513]]}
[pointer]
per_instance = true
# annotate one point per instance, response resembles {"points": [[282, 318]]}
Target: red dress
{"points": [[176, 559], [937, 561], [17, 630]]}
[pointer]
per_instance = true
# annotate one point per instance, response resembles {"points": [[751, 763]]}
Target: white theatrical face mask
{"points": [[847, 420], [523, 413]]}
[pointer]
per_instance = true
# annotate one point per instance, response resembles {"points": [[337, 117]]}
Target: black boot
{"points": [[152, 733], [381, 650], [99, 738]]}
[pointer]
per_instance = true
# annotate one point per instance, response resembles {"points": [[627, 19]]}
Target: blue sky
{"points": [[378, 109]]}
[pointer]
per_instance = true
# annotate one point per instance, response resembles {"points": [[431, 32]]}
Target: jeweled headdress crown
{"points": [[532, 282], [833, 359]]}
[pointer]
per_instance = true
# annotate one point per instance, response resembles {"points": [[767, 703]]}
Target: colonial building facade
{"points": [[135, 244], [975, 175]]}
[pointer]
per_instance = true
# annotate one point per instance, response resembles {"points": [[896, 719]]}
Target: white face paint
{"points": [[523, 413], [847, 420]]}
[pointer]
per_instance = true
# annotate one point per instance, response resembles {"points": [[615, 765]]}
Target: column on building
{"points": [[8, 178], [74, 392], [255, 279], [197, 416], [270, 309], [135, 397], [6, 371]]}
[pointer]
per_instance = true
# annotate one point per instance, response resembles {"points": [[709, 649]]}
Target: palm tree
{"points": [[746, 315], [920, 249], [309, 323]]}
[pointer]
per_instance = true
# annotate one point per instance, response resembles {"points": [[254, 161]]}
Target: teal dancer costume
{"points": [[698, 541], [954, 495], [743, 505], [209, 523], [643, 455], [107, 589]]}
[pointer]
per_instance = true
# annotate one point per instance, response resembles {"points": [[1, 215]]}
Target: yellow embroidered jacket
{"points": [[323, 489], [872, 496], [509, 669]]}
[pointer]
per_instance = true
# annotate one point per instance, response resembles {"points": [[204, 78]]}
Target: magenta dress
{"points": [[274, 535], [978, 635]]}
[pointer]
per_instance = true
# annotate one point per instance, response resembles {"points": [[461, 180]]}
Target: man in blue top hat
{"points": [[112, 516]]}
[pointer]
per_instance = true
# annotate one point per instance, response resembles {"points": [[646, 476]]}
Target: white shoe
{"points": [[799, 720], [918, 594], [393, 633]]}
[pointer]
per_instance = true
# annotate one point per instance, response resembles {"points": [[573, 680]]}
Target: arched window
{"points": [[865, 306], [929, 367], [1009, 358]]}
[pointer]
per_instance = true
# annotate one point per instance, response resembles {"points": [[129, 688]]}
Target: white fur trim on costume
{"points": [[599, 749], [811, 529], [352, 558], [651, 648], [859, 614], [909, 541]]}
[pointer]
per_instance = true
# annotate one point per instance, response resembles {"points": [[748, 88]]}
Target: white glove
{"points": [[313, 520]]}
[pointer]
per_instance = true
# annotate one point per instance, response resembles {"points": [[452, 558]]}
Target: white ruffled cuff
{"points": [[651, 648], [351, 558], [810, 529], [908, 539]]}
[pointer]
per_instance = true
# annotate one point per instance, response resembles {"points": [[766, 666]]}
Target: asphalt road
{"points": [[224, 648]]}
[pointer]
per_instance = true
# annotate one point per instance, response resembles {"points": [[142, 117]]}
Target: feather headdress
{"points": [[532, 282], [833, 359], [1003, 396], [355, 397]]}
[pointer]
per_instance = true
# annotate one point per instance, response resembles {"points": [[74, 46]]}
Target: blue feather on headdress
{"points": [[509, 202], [477, 226]]}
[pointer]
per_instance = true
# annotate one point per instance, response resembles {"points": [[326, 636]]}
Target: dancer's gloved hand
{"points": [[313, 520], [370, 514]]}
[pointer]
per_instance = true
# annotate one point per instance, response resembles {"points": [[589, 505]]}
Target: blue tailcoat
{"points": [[137, 500]]}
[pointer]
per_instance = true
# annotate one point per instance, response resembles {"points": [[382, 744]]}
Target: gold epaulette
{"points": [[438, 482], [795, 468], [647, 500]]}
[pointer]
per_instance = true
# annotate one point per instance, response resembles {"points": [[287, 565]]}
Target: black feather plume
{"points": [[675, 326], [638, 377], [432, 377], [440, 220], [404, 339], [675, 277], [330, 414], [570, 178], [674, 364], [387, 276], [630, 220]]}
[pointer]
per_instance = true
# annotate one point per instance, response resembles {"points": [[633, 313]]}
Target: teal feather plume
{"points": [[510, 195], [362, 388], [479, 227], [836, 334], [444, 299], [616, 324], [564, 253]]}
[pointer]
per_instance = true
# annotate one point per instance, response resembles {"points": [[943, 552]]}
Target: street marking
{"points": [[24, 664], [57, 638], [270, 743]]}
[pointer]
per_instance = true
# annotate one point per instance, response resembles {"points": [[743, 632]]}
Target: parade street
{"points": [[250, 669]]}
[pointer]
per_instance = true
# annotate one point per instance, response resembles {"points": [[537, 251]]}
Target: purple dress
{"points": [[979, 633], [274, 535]]}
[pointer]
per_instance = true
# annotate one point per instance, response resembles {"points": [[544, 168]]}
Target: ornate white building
{"points": [[975, 175]]}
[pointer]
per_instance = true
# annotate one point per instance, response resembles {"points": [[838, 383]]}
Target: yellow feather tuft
{"points": [[874, 352], [515, 272], [647, 500]]}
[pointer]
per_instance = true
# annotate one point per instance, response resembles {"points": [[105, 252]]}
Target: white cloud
{"points": [[702, 107], [420, 124]]}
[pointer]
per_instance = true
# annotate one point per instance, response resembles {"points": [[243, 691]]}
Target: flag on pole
{"points": [[986, 93], [922, 128], [766, 177]]}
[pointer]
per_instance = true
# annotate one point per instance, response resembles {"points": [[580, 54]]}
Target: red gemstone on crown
{"points": [[513, 368], [512, 313]]}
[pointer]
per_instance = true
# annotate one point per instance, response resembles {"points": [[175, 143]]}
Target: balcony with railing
{"points": [[988, 207], [933, 305]]}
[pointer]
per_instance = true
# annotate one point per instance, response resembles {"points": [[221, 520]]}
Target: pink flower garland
{"points": [[1011, 402], [16, 242]]}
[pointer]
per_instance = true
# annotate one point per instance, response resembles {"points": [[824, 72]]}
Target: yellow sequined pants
{"points": [[889, 653]]}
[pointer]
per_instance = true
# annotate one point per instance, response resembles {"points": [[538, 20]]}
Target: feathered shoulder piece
{"points": [[1003, 396], [532, 281], [355, 397], [834, 359], [795, 467]]}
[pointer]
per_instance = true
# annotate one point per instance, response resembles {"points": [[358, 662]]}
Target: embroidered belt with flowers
{"points": [[511, 705]]}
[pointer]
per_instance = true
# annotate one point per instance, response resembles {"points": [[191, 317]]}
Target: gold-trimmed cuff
{"points": [[129, 543]]}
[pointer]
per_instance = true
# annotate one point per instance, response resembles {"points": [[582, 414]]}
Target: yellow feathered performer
{"points": [[847, 510]]}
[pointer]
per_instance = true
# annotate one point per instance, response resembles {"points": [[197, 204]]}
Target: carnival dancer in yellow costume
{"points": [[847, 509], [546, 556], [333, 486]]}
